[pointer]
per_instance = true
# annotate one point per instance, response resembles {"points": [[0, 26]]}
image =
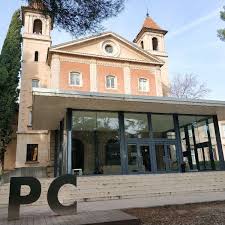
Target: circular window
{"points": [[109, 49]]}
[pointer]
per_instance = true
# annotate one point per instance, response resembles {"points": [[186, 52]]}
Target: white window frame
{"points": [[147, 83], [35, 79], [30, 119], [81, 79], [115, 82]]}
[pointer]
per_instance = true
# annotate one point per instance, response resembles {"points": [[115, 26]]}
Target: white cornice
{"points": [[107, 57]]}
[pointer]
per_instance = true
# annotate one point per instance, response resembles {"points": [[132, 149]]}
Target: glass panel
{"points": [[208, 164], [201, 159], [132, 158], [204, 159], [188, 148], [35, 83], [96, 145], [201, 132], [75, 79], [145, 159], [199, 128], [160, 157], [163, 126], [108, 146], [143, 84], [214, 144], [84, 121], [172, 158], [136, 125], [110, 82]]}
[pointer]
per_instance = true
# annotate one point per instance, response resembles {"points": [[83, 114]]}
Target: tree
{"points": [[188, 86], [79, 17], [221, 32], [9, 78]]}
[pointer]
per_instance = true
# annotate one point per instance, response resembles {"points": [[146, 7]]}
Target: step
{"points": [[100, 188]]}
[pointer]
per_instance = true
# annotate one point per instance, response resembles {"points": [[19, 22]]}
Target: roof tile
{"points": [[150, 23]]}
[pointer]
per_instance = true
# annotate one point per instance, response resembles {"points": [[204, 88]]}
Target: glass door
{"points": [[160, 157], [173, 164], [132, 152], [145, 160], [166, 158], [139, 158]]}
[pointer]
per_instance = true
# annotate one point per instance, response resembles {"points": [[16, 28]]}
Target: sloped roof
{"points": [[151, 24]]}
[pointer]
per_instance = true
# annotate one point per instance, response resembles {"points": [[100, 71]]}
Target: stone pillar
{"points": [[55, 72], [93, 77], [127, 80]]}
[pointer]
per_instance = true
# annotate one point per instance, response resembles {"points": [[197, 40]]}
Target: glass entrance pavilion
{"points": [[98, 136], [128, 143]]}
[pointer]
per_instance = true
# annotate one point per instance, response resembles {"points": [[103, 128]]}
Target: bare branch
{"points": [[188, 86]]}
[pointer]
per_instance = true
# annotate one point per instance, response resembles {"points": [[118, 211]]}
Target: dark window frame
{"points": [[37, 27], [155, 44], [36, 56], [30, 153]]}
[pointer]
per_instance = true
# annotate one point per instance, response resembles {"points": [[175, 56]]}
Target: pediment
{"points": [[99, 46]]}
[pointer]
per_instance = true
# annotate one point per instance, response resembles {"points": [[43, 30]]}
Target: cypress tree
{"points": [[9, 78]]}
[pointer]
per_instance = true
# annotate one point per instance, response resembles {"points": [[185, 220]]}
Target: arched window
{"points": [[155, 44], [35, 83], [142, 44], [111, 82], [37, 28], [36, 56]]}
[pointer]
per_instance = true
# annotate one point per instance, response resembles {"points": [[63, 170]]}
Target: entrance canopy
{"points": [[49, 106]]}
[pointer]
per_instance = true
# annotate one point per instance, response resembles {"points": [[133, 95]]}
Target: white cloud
{"points": [[194, 24]]}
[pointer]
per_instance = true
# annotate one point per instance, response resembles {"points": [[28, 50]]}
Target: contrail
{"points": [[194, 24]]}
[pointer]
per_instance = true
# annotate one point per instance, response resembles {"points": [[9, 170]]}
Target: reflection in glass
{"points": [[204, 158], [132, 158], [98, 145], [214, 143], [145, 158], [160, 157], [198, 142], [172, 158], [163, 126], [136, 125]]}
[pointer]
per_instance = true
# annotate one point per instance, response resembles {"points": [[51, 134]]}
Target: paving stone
{"points": [[115, 217]]}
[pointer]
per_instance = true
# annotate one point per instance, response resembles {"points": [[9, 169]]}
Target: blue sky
{"points": [[191, 43]]}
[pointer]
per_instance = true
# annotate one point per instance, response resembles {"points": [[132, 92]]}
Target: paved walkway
{"points": [[125, 203], [115, 217]]}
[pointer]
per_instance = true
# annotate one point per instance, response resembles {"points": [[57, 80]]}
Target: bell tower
{"points": [[37, 32], [35, 74], [151, 38]]}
